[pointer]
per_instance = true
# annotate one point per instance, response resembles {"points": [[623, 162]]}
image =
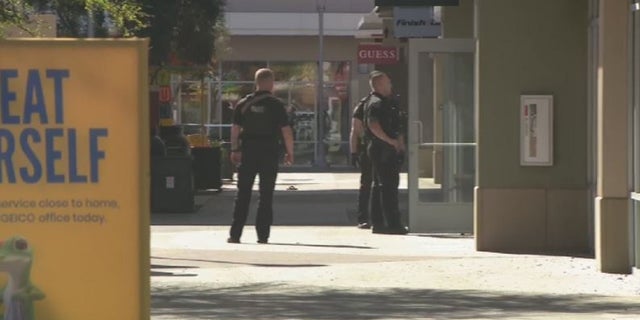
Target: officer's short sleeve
{"points": [[237, 113], [374, 111], [358, 112]]}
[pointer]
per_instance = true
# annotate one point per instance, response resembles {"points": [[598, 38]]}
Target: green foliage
{"points": [[15, 13], [125, 16], [160, 29], [181, 32], [195, 35]]}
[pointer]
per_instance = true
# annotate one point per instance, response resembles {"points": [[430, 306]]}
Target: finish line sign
{"points": [[74, 225]]}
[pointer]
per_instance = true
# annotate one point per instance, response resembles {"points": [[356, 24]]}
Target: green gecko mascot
{"points": [[19, 294]]}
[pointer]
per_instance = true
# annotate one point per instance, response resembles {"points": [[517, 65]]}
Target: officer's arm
{"points": [[376, 129], [356, 132], [235, 133], [401, 142], [287, 135], [236, 128]]}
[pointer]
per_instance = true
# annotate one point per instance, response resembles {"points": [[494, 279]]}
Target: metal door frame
{"points": [[428, 217], [634, 133]]}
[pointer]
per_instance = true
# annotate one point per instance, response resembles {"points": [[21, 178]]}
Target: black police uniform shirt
{"points": [[382, 110], [358, 112], [261, 116]]}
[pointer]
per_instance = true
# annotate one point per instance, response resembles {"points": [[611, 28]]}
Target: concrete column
{"points": [[612, 201], [457, 21], [531, 47]]}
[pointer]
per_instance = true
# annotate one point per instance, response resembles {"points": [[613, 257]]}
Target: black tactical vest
{"points": [[259, 119]]}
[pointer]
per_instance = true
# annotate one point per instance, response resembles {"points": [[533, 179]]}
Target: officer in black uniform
{"points": [[259, 121], [386, 147], [360, 159]]}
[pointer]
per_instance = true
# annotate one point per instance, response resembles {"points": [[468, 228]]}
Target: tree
{"points": [[183, 36], [124, 17], [179, 30], [14, 13], [182, 32]]}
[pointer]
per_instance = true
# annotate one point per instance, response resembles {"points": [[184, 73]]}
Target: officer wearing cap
{"points": [[259, 122], [386, 148]]}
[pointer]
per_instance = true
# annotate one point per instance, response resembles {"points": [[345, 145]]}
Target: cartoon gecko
{"points": [[19, 294]]}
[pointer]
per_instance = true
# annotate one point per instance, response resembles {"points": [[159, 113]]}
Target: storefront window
{"points": [[241, 70], [294, 71], [190, 101], [338, 102], [296, 85]]}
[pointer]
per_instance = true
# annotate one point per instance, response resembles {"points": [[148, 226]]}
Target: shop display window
{"points": [[296, 85]]}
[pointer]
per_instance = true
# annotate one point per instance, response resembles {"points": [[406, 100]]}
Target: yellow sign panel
{"points": [[74, 170]]}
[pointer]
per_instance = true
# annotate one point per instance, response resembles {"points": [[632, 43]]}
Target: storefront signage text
{"points": [[45, 145], [416, 22], [377, 54]]}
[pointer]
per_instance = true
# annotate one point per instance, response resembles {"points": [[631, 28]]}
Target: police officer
{"points": [[386, 147], [360, 159], [259, 120]]}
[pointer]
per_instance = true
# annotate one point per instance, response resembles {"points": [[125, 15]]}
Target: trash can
{"points": [[157, 146], [172, 188], [175, 141], [206, 167]]}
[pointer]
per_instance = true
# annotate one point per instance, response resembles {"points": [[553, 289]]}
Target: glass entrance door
{"points": [[442, 145]]}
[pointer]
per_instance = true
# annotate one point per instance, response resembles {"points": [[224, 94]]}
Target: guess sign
{"points": [[377, 54]]}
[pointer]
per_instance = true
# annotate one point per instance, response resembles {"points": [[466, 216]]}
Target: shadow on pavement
{"points": [[447, 235], [162, 266], [171, 274], [155, 273], [321, 245], [271, 265], [275, 301], [291, 208]]}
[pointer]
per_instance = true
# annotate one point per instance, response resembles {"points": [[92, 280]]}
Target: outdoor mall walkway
{"points": [[319, 266]]}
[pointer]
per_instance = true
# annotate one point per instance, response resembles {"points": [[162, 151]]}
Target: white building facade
{"points": [[284, 36]]}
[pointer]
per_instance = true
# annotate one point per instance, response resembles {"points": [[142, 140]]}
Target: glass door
{"points": [[441, 142]]}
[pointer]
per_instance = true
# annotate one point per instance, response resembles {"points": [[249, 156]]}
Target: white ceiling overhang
{"points": [[370, 25], [369, 21], [291, 24]]}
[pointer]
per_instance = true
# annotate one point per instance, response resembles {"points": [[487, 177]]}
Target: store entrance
{"points": [[442, 144]]}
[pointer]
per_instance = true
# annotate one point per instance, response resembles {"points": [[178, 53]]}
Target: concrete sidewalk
{"points": [[335, 271]]}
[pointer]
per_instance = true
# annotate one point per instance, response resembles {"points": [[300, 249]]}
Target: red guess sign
{"points": [[377, 54]]}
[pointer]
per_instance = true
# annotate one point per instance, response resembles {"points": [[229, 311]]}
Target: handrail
{"points": [[206, 124], [448, 144]]}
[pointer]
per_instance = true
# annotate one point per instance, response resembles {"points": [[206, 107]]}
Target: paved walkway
{"points": [[336, 271]]}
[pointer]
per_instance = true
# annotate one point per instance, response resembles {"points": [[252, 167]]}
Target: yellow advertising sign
{"points": [[74, 170]]}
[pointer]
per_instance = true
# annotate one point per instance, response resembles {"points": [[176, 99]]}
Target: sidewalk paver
{"points": [[336, 271]]}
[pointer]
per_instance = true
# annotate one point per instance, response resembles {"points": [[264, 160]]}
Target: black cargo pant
{"points": [[258, 157], [364, 193], [384, 188]]}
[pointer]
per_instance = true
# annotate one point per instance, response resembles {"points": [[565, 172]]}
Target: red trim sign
{"points": [[377, 54], [164, 95]]}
